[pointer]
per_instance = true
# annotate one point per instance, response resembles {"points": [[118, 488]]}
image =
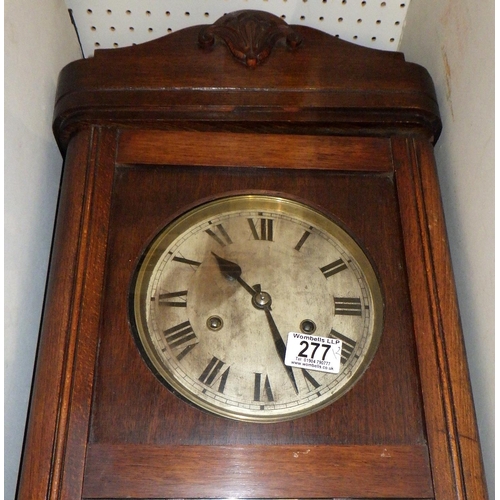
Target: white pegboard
{"points": [[119, 23]]}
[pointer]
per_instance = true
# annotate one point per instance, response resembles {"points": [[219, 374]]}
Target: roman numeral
{"points": [[310, 380], [258, 394], [347, 306], [348, 345], [189, 262], [180, 335], [333, 268], [164, 299], [211, 372], [302, 240], [262, 229], [220, 235]]}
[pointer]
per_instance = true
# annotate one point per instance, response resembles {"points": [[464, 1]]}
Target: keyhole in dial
{"points": [[215, 323], [308, 326]]}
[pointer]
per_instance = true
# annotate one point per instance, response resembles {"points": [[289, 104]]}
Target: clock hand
{"points": [[232, 271], [261, 300], [280, 345]]}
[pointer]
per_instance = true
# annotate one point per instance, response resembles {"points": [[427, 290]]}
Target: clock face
{"points": [[219, 289]]}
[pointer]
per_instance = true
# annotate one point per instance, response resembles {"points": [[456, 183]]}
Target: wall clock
{"points": [[225, 187]]}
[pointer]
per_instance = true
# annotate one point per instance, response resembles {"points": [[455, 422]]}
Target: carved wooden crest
{"points": [[250, 35]]}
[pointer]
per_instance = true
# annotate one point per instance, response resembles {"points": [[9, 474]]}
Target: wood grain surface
{"points": [[45, 434], [118, 471], [131, 405], [325, 84], [223, 149], [451, 427]]}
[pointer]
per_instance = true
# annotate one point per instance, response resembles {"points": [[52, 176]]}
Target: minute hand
{"points": [[280, 346]]}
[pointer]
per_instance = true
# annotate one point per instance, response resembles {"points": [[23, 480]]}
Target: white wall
{"points": [[39, 41], [454, 40]]}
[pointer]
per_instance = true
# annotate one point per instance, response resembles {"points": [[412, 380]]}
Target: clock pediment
{"points": [[321, 80]]}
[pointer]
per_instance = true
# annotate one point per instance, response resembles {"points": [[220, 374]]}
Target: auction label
{"points": [[313, 353]]}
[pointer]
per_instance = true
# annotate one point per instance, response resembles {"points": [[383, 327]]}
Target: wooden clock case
{"points": [[248, 104]]}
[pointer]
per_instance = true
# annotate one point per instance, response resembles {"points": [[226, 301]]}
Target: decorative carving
{"points": [[250, 35]]}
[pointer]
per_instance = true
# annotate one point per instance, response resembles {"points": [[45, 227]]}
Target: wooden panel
{"points": [[452, 433], [70, 330], [454, 349], [426, 323], [132, 406], [118, 471], [86, 313], [45, 439], [253, 150]]}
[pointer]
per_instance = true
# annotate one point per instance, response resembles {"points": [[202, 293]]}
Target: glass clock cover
{"points": [[219, 289]]}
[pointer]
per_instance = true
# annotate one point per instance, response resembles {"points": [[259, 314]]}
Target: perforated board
{"points": [[119, 23]]}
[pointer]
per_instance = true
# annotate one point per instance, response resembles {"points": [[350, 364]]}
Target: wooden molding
{"points": [[172, 83]]}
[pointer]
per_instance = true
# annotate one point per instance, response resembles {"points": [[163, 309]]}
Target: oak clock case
{"points": [[199, 170], [214, 338]]}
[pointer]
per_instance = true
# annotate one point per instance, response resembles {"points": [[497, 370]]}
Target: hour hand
{"points": [[229, 270], [232, 271]]}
